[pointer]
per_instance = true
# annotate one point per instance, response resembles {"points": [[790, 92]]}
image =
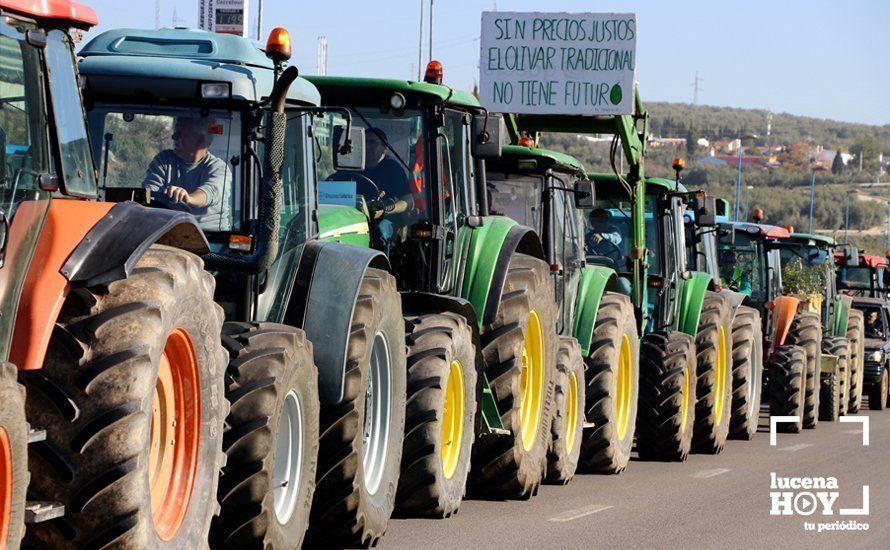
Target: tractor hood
{"points": [[343, 224]]}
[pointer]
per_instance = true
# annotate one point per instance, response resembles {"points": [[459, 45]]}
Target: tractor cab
{"points": [[861, 274], [808, 270]]}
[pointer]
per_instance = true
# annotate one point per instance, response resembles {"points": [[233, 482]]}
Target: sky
{"points": [[805, 57]]}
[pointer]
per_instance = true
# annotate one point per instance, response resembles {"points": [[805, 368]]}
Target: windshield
{"points": [[517, 197], [742, 264], [856, 277], [170, 150], [608, 233]]}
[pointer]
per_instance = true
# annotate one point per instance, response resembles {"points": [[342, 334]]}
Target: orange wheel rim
{"points": [[5, 487], [175, 434]]}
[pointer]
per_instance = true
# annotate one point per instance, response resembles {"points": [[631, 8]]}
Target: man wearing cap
{"points": [[392, 181], [603, 238], [190, 178]]}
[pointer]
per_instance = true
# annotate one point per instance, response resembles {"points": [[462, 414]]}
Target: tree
{"points": [[865, 152], [837, 165], [797, 154]]}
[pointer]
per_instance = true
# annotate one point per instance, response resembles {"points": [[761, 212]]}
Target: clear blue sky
{"points": [[827, 59]]}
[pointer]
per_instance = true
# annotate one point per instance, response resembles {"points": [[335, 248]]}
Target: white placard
{"points": [[558, 63], [224, 16], [337, 192]]}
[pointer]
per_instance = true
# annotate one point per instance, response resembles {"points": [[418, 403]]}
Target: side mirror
{"points": [[349, 155], [706, 211], [3, 157], [487, 141], [585, 196], [852, 259], [4, 233]]}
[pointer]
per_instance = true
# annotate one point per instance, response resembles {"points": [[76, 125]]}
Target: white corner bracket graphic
{"points": [[773, 420], [865, 424], [858, 511]]}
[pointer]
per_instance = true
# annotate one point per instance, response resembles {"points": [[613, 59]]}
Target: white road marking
{"points": [[580, 513], [798, 447], [852, 431], [865, 425], [710, 473]]}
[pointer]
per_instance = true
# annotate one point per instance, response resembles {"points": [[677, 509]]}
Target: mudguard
{"points": [[322, 302], [841, 315], [692, 297], [491, 248], [784, 310], [734, 298], [87, 243], [595, 280]]}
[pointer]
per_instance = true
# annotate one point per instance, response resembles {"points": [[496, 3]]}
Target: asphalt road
{"points": [[706, 502]]}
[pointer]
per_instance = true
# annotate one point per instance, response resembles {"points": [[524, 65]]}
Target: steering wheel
{"points": [[607, 249], [365, 180]]}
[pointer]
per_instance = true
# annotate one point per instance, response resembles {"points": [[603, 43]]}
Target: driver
{"points": [[873, 325], [603, 238], [391, 179], [190, 178]]}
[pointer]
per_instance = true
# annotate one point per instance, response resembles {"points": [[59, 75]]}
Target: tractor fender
{"points": [[322, 302], [734, 298], [87, 243], [784, 310], [595, 281], [491, 248], [692, 297], [842, 307]]}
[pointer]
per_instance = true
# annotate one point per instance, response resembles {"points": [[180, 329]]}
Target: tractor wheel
{"points": [[270, 440], [843, 382], [667, 396], [830, 387], [360, 446], [855, 332], [519, 350], [568, 422], [439, 428], [13, 457], [787, 381], [133, 400], [747, 373], [713, 346], [613, 385], [877, 397], [806, 332]]}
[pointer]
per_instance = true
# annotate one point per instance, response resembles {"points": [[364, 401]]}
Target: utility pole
{"points": [[696, 89], [812, 198], [259, 20], [321, 59], [157, 14], [431, 30], [420, 43]]}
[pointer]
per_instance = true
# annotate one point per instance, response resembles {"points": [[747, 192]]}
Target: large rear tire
{"points": [[787, 369], [877, 397], [360, 443], [568, 422], [667, 396], [13, 458], [271, 438], [855, 334], [440, 412], [713, 393], [613, 386], [829, 389], [806, 332], [519, 351], [747, 372], [132, 398]]}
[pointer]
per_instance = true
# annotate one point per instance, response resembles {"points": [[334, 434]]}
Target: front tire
{"points": [[877, 397], [271, 437], [667, 396], [613, 386], [787, 368], [806, 332], [519, 352], [829, 389], [747, 373], [13, 457], [713, 347], [132, 397], [439, 419], [568, 422], [855, 334], [360, 443]]}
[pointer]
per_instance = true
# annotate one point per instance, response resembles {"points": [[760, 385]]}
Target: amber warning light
{"points": [[434, 73], [279, 47]]}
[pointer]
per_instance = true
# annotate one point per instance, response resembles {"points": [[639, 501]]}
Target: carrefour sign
{"points": [[224, 16], [558, 63]]}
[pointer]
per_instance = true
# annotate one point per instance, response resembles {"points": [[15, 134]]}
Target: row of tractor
{"points": [[245, 308]]}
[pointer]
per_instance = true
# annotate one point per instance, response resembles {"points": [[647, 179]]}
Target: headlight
{"points": [[876, 356]]}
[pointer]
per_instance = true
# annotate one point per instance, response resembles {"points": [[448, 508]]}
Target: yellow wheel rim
{"points": [[571, 412], [531, 384], [452, 419], [686, 398], [721, 371], [624, 390]]}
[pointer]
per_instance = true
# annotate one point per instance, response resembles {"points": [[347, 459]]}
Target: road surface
{"points": [[706, 502]]}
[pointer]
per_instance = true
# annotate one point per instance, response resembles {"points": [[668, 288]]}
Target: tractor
{"points": [[861, 274], [808, 271], [686, 326], [107, 314], [544, 190], [314, 333], [477, 293]]}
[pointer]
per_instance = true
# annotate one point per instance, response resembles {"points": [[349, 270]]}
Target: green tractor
{"points": [[213, 126], [543, 190], [477, 293], [635, 228]]}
